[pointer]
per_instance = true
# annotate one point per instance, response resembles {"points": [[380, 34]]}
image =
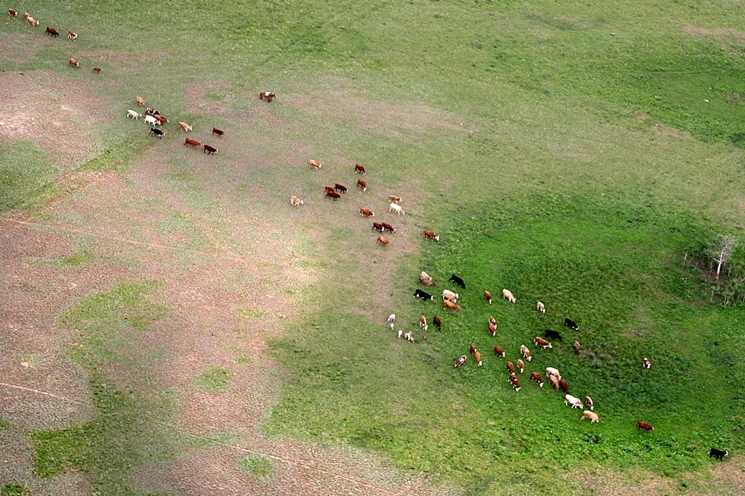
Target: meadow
{"points": [[575, 153]]}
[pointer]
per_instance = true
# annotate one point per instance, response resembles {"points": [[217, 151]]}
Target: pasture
{"points": [[172, 325]]}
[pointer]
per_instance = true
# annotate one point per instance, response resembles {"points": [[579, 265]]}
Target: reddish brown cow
{"points": [[431, 235], [394, 199], [492, 320], [332, 194], [160, 118], [437, 322], [510, 367], [563, 385], [359, 169], [12, 13], [487, 295], [97, 70], [525, 352], [328, 189], [492, 329], [647, 364], [449, 304], [383, 241], [364, 212], [645, 426], [520, 365], [539, 341], [73, 36], [589, 402], [74, 63], [217, 131], [515, 382], [362, 184], [389, 227], [52, 32], [378, 226], [423, 322], [268, 95], [477, 357], [535, 376], [499, 351], [471, 348], [209, 149], [192, 143]]}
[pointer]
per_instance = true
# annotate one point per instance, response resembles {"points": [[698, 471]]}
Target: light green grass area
{"points": [[259, 466], [25, 170], [216, 379]]}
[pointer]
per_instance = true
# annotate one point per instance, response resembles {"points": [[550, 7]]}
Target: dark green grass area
{"points": [[614, 268], [14, 490], [24, 169]]}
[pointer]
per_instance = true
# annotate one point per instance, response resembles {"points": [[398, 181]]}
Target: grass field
{"points": [[575, 153]]}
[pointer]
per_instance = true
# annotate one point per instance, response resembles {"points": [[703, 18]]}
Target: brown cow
{"points": [[12, 13], [359, 169], [646, 364], [645, 426], [314, 164], [74, 63], [539, 341], [510, 367], [379, 227], [140, 101], [424, 278], [449, 304], [563, 385], [520, 365], [499, 351], [364, 212], [471, 348], [333, 194], [515, 382], [73, 36], [461, 361], [535, 376], [589, 402], [423, 322], [394, 199], [268, 95], [362, 184], [191, 142], [492, 329], [554, 381], [52, 32], [525, 352], [217, 131], [209, 149], [477, 357], [431, 235], [97, 70], [383, 241], [328, 189], [492, 320], [340, 188], [487, 295], [437, 322], [389, 228], [160, 118]]}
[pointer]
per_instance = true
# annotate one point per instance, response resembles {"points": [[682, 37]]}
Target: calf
{"points": [[157, 132], [389, 228], [423, 277], [487, 295], [220, 133], [542, 343], [396, 209], [423, 322], [340, 188], [492, 329], [499, 351], [296, 201], [394, 199], [74, 63], [431, 235], [525, 352], [12, 13], [520, 365], [184, 126], [563, 385], [449, 304], [510, 367], [594, 419], [550, 371], [551, 334], [97, 70], [381, 239], [718, 454], [149, 119], [134, 115], [437, 322], [52, 32], [644, 426], [541, 308], [589, 402], [506, 293], [477, 357], [209, 149], [646, 364], [364, 212], [379, 227], [362, 184], [423, 295], [139, 100], [268, 95], [571, 324], [314, 164], [359, 169], [535, 376], [192, 143], [332, 194], [576, 347], [449, 295], [457, 280], [73, 36], [575, 402], [461, 361]]}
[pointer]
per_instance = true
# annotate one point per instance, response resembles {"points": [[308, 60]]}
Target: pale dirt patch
{"points": [[724, 35], [671, 131]]}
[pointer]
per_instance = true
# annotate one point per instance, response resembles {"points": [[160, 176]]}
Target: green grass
{"points": [[14, 490], [259, 466], [25, 169], [215, 379]]}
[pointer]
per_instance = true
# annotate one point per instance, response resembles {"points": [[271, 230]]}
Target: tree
{"points": [[721, 250]]}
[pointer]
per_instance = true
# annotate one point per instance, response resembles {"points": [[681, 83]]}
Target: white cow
{"points": [[149, 119], [575, 402], [552, 371], [134, 115], [396, 209], [506, 293], [449, 295]]}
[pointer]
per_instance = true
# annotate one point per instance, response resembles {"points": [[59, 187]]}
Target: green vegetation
{"points": [[25, 168], [258, 465], [216, 379], [14, 490], [78, 259]]}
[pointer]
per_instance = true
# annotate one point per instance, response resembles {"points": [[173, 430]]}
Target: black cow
{"points": [[457, 280], [157, 132], [209, 149], [551, 334], [571, 324], [719, 454], [423, 295], [340, 188]]}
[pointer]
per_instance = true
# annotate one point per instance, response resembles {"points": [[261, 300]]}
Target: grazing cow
{"points": [[423, 277], [73, 36], [535, 376], [554, 381], [437, 322], [97, 70], [296, 201], [396, 209], [539, 341], [328, 188], [449, 304], [571, 324], [74, 63], [589, 402], [449, 295], [645, 426], [594, 419], [332, 194], [192, 143], [381, 239], [423, 322], [359, 169], [138, 99], [576, 346], [471, 348], [477, 357], [515, 382], [209, 149], [461, 361], [409, 336], [718, 454], [457, 280], [184, 126], [499, 351], [646, 364], [392, 318], [575, 402], [362, 184], [510, 367], [268, 95], [30, 20], [220, 133], [160, 118], [389, 228], [551, 334], [151, 111], [423, 295], [492, 329], [492, 320], [431, 235], [364, 212], [134, 115], [314, 164], [149, 119], [394, 199], [541, 307], [525, 352], [552, 371], [487, 295], [157, 132], [506, 293], [52, 32], [340, 188], [563, 385], [12, 13], [520, 365], [379, 227]]}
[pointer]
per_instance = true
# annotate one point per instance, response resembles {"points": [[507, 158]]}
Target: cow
{"points": [[492, 329], [449, 304], [12, 13], [152, 111], [437, 322], [571, 324], [525, 352], [74, 63], [219, 132], [589, 402], [389, 228], [539, 341], [149, 119], [471, 348], [575, 402], [160, 118], [449, 295], [461, 361], [520, 365], [31, 21], [477, 357], [362, 184], [364, 212], [328, 188], [646, 364], [431, 235], [52, 32], [535, 376], [492, 320], [487, 295], [394, 199], [552, 371], [392, 317], [396, 209], [506, 293], [499, 351], [551, 334], [554, 381], [510, 367], [378, 227], [157, 132], [423, 277], [359, 169], [134, 115], [644, 426], [97, 70], [184, 126], [314, 164], [515, 383], [268, 95], [576, 347], [594, 419], [409, 336], [541, 307], [332, 194], [192, 143], [563, 385], [381, 239], [423, 295], [72, 35], [209, 149], [718, 454], [423, 322], [340, 188], [457, 280], [138, 99], [296, 201]]}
